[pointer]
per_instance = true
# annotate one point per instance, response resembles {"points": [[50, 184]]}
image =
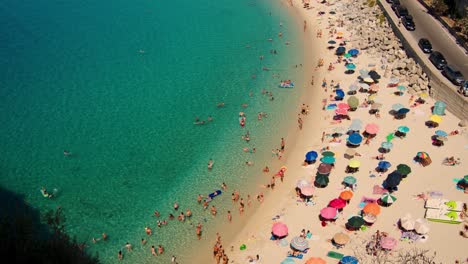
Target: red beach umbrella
{"points": [[341, 111], [279, 229], [337, 203], [328, 213], [343, 106], [372, 128], [307, 190]]}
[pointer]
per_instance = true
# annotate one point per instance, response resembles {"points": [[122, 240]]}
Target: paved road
{"points": [[442, 41]]}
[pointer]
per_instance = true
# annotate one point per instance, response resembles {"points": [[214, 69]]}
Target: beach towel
{"points": [[299, 256], [378, 190], [335, 255], [331, 107]]}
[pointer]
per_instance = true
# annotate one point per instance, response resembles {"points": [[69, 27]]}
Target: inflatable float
{"points": [[286, 84], [213, 195]]}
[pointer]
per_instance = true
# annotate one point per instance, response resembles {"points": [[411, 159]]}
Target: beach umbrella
{"points": [[340, 50], [436, 118], [403, 129], [343, 106], [371, 208], [340, 93], [394, 80], [314, 260], [341, 238], [354, 163], [330, 47], [369, 218], [328, 153], [311, 155], [288, 261], [328, 160], [387, 145], [324, 168], [353, 52], [421, 226], [368, 80], [331, 42], [339, 130], [364, 85], [307, 190], [374, 75], [355, 139], [279, 229], [407, 223], [349, 180], [388, 198], [350, 66], [299, 243], [396, 107], [401, 88], [372, 128], [346, 195], [347, 55], [384, 164], [441, 138], [403, 169], [340, 111], [328, 213], [349, 260], [302, 183], [364, 72], [441, 133], [353, 87], [422, 155], [403, 111], [321, 180], [337, 203], [355, 222], [390, 137], [393, 179], [356, 125], [388, 242], [350, 152], [375, 105]]}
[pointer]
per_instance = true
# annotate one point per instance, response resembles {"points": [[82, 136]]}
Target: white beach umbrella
{"points": [[421, 226], [407, 223]]}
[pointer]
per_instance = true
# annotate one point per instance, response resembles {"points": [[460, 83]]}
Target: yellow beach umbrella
{"points": [[436, 118], [423, 94], [354, 163]]}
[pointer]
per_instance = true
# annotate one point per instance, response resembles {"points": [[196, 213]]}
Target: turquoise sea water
{"points": [[118, 84]]}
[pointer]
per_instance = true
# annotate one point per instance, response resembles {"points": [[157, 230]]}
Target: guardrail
{"points": [[456, 104], [460, 40]]}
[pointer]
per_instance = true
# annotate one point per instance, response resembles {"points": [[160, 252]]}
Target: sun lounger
{"points": [[444, 204], [443, 216]]}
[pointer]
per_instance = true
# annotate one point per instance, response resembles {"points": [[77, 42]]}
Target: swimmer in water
{"points": [[66, 153]]}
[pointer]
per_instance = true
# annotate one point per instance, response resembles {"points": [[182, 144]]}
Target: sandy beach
{"points": [[435, 181]]}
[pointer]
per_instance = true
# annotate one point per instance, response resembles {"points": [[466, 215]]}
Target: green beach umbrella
{"points": [[390, 137], [403, 169], [322, 180], [349, 180], [347, 55], [388, 198], [328, 154], [403, 129], [328, 160], [353, 102], [355, 222], [387, 145]]}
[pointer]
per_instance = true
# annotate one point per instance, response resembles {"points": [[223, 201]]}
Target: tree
{"points": [[439, 7], [462, 26]]}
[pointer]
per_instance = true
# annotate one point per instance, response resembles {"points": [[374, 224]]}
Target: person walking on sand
{"points": [[305, 25], [229, 216], [283, 144], [300, 122], [272, 183]]}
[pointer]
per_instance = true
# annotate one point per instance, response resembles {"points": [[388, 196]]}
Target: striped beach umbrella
{"points": [[388, 198], [422, 155], [299, 243], [349, 180]]}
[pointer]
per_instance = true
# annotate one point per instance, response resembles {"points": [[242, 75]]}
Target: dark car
{"points": [[425, 45], [408, 22], [401, 11], [395, 4], [438, 60], [463, 89], [453, 74]]}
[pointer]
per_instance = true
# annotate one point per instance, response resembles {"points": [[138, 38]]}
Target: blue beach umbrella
{"points": [[340, 93], [331, 42], [311, 155], [404, 129], [384, 164], [403, 111], [353, 52], [328, 160], [401, 88], [299, 243], [349, 260], [288, 261], [441, 133], [350, 66], [355, 139], [396, 107], [340, 50], [387, 145]]}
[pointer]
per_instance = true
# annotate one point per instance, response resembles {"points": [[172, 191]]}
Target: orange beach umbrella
{"points": [[346, 195], [314, 260], [371, 208]]}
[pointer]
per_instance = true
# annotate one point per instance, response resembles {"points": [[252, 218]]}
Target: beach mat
{"points": [[335, 255]]}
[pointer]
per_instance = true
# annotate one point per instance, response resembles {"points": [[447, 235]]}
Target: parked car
{"points": [[425, 45], [453, 74], [395, 4], [401, 11], [438, 60], [408, 22], [463, 89]]}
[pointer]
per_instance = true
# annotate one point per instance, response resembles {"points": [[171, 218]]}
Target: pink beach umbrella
{"points": [[341, 111], [388, 243], [337, 203], [279, 229], [343, 106], [328, 213], [307, 190], [372, 128]]}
